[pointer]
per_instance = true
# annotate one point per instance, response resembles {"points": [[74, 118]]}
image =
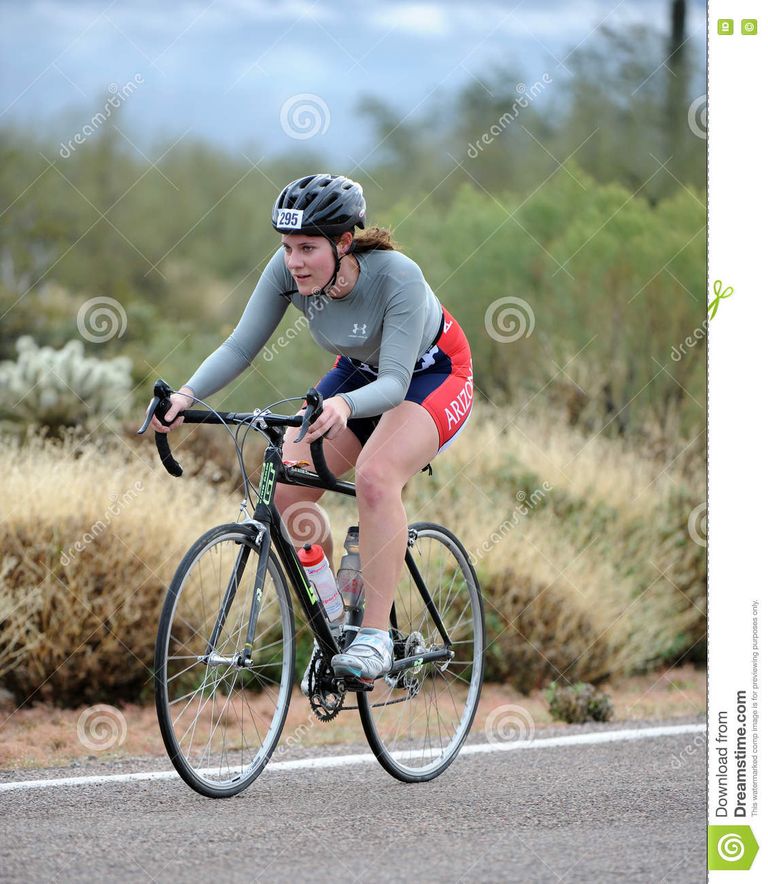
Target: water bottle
{"points": [[350, 580], [320, 575]]}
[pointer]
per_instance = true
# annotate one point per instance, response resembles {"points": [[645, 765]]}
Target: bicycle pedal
{"points": [[356, 685]]}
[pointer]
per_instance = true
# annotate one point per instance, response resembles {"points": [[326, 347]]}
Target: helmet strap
{"points": [[325, 290]]}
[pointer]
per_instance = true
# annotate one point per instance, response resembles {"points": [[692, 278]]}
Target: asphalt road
{"points": [[626, 810]]}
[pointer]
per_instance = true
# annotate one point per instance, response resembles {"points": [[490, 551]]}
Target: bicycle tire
{"points": [[276, 608], [383, 735]]}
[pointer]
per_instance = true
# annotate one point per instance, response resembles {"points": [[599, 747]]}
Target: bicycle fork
{"points": [[243, 658]]}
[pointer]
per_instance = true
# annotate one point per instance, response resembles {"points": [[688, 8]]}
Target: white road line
{"points": [[588, 739]]}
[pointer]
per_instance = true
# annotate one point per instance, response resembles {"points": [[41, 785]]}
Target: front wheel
{"points": [[416, 721], [221, 712]]}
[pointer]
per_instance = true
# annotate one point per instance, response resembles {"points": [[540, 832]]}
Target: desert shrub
{"points": [[580, 543], [581, 546], [61, 388], [577, 703], [91, 536]]}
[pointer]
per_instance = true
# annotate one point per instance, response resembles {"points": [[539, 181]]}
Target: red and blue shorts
{"points": [[441, 383]]}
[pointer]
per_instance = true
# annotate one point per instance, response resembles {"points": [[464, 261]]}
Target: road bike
{"points": [[225, 653]]}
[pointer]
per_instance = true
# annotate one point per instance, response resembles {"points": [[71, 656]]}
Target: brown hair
{"points": [[373, 239]]}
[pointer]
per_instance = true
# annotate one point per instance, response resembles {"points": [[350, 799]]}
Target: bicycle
{"points": [[225, 650]]}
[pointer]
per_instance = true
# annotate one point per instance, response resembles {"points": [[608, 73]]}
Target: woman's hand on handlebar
{"points": [[179, 402], [332, 421]]}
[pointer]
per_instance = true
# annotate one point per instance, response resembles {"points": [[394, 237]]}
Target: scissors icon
{"points": [[720, 295]]}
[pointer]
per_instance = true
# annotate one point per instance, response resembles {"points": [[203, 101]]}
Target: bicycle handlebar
{"points": [[161, 402]]}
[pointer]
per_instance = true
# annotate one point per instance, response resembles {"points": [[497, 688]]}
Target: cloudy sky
{"points": [[265, 73]]}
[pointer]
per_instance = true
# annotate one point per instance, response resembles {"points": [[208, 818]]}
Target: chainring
{"points": [[325, 699]]}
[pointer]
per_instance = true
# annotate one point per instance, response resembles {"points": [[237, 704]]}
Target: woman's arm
{"points": [[260, 318]]}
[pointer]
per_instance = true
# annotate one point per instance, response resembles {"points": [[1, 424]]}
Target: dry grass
{"points": [[78, 622], [581, 546]]}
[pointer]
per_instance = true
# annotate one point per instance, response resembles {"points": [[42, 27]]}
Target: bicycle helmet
{"points": [[320, 205], [325, 205]]}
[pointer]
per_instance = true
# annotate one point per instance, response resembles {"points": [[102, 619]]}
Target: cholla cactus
{"points": [[63, 387]]}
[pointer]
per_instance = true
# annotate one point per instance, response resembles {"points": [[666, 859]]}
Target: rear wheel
{"points": [[416, 721], [220, 714]]}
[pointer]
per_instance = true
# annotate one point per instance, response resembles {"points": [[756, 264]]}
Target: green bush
{"points": [[578, 703]]}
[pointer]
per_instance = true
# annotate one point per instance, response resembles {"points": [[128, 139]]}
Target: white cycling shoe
{"points": [[368, 657]]}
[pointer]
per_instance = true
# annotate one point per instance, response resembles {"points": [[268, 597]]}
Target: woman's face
{"points": [[309, 260]]}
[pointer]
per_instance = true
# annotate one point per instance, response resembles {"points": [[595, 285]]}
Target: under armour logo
{"points": [[426, 359], [359, 330]]}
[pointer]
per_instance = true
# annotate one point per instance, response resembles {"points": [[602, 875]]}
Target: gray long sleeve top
{"points": [[389, 318]]}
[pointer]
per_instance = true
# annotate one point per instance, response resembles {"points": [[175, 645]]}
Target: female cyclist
{"points": [[398, 393]]}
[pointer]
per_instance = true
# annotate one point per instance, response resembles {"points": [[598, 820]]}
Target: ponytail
{"points": [[373, 239]]}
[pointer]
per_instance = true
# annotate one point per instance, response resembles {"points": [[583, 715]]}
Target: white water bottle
{"points": [[350, 579], [320, 575]]}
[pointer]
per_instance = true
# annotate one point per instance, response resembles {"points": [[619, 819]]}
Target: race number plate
{"points": [[290, 218]]}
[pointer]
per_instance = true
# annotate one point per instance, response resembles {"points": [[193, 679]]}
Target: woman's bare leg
{"points": [[404, 441]]}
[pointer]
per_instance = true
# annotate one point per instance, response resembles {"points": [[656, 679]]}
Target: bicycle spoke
{"points": [[417, 724], [223, 717]]}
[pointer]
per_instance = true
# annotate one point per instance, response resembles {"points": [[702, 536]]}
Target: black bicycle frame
{"points": [[267, 514], [268, 524]]}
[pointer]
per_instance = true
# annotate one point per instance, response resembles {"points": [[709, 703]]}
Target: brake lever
{"points": [[162, 391], [314, 400], [314, 409], [158, 407]]}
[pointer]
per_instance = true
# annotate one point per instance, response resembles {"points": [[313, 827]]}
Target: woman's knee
{"points": [[376, 483]]}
